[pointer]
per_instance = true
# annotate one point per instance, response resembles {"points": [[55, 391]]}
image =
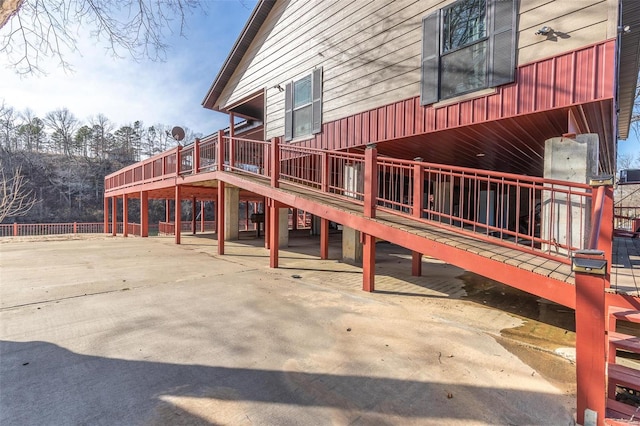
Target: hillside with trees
{"points": [[63, 160]]}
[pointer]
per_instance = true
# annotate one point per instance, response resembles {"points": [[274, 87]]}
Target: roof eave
{"points": [[629, 65], [238, 50]]}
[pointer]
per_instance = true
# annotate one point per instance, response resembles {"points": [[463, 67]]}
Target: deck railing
{"points": [[37, 229], [168, 228], [247, 155], [533, 214], [627, 218], [540, 214], [208, 155]]}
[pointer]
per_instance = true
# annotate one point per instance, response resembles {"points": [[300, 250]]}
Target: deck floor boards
{"points": [[625, 270]]}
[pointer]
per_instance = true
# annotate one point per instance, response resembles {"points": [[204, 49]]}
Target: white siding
{"points": [[370, 49]]}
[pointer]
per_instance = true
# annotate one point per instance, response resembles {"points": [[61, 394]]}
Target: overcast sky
{"points": [[124, 90], [168, 93]]}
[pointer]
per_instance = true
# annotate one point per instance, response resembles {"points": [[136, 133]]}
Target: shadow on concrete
{"points": [[43, 383]]}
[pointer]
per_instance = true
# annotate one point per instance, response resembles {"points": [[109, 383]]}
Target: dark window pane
{"points": [[464, 70], [302, 91], [302, 121], [463, 23]]}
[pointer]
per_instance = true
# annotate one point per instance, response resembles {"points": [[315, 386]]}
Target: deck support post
{"points": [[194, 217], [368, 262], [231, 212], [416, 263], [283, 230], [178, 213], [220, 217], [125, 215], [144, 213], [324, 238], [274, 232], [202, 215], [167, 211], [267, 222], [106, 215], [590, 348], [370, 201], [246, 215], [294, 219], [114, 216]]}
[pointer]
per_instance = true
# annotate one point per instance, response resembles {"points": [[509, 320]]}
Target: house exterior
{"points": [[467, 83], [478, 132]]}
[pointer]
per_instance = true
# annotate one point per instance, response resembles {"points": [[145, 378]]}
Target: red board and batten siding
{"points": [[581, 76]]}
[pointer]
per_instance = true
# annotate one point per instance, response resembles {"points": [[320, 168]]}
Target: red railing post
{"points": [[232, 135], [418, 188], [324, 178], [605, 240], [220, 150], [178, 159], [275, 162], [15, 229], [370, 180], [196, 156], [75, 228], [601, 235]]}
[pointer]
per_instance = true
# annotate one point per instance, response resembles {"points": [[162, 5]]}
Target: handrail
{"points": [[596, 217]]}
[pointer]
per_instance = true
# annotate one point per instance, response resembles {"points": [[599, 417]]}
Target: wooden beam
{"points": [[416, 263], [591, 346], [106, 215], [368, 263], [125, 215], [274, 232], [324, 238], [178, 214], [220, 218], [144, 214]]}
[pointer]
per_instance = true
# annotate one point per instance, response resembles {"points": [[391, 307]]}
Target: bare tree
{"points": [[63, 125], [31, 29], [16, 200]]}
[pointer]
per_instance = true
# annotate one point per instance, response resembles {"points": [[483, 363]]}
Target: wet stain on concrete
{"points": [[546, 327]]}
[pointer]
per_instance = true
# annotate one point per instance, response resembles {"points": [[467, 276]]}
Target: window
{"points": [[467, 46], [303, 106]]}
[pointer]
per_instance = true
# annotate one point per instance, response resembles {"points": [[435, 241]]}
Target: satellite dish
{"points": [[177, 133]]}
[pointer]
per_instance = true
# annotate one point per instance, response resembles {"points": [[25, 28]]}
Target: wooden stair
{"points": [[619, 412]]}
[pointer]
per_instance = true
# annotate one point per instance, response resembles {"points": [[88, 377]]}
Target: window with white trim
{"points": [[303, 106]]}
